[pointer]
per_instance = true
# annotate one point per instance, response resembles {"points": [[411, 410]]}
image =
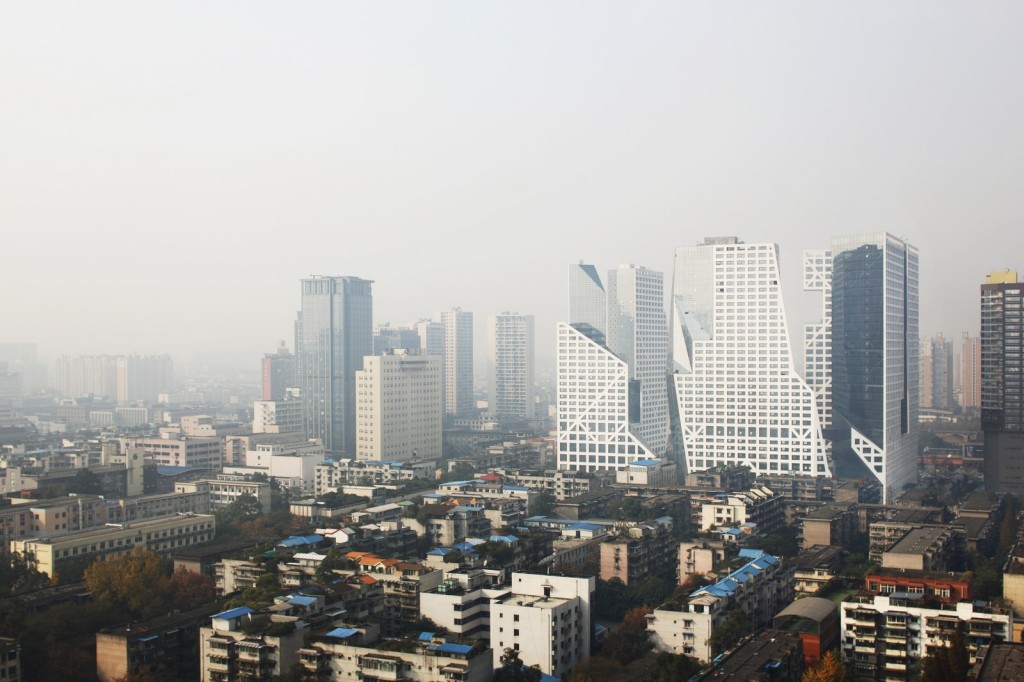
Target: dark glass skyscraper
{"points": [[874, 354], [333, 333]]}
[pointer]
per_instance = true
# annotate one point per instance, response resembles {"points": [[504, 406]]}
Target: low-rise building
{"points": [[652, 472], [226, 489], [562, 483], [10, 659], [333, 474], [348, 653], [699, 557], [760, 587], [883, 635], [240, 645], [833, 524], [546, 618], [816, 621], [769, 656], [54, 553], [815, 568], [167, 646], [944, 587], [926, 549], [461, 603], [635, 552], [759, 506]]}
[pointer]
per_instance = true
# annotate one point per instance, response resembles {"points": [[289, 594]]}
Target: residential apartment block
{"points": [[162, 535], [761, 587]]}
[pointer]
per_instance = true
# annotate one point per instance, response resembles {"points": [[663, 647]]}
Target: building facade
{"points": [[738, 395], [612, 394], [398, 407], [278, 371], [874, 341], [333, 333], [458, 361], [1002, 381], [510, 364]]}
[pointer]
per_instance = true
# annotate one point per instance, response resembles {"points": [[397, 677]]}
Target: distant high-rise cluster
{"points": [[124, 378], [739, 397], [1002, 381], [612, 354], [510, 361], [333, 333]]}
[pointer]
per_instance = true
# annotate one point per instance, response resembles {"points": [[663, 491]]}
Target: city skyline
{"points": [[556, 155]]}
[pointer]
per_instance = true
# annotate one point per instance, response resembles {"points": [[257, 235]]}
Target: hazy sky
{"points": [[169, 170]]}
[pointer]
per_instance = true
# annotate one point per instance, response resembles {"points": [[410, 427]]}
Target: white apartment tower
{"points": [[458, 361], [612, 402], [398, 407], [870, 331], [739, 397], [510, 360], [818, 335]]}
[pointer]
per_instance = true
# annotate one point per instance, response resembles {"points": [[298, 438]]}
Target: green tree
{"points": [[189, 589], [731, 630], [672, 667], [947, 663], [542, 504], [629, 642], [594, 669], [137, 581], [513, 670]]}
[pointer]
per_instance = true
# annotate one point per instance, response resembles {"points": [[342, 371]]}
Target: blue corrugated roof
{"points": [[465, 547], [341, 633], [165, 470], [584, 526], [729, 584], [647, 462], [449, 648], [426, 636], [504, 538], [301, 540], [513, 487], [300, 600], [233, 613], [467, 507]]}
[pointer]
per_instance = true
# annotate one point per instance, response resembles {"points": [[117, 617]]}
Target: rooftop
{"points": [[918, 541]]}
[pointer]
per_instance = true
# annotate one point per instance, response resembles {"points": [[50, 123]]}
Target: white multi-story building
{"points": [[458, 361], [398, 407], [278, 416], [760, 587], [546, 618], [510, 361], [818, 335], [871, 329], [739, 397], [612, 400]]}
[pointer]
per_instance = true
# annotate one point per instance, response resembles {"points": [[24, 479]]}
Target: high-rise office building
{"points": [[739, 397], [607, 416], [874, 359], [333, 333], [510, 364], [1002, 381], [937, 373], [970, 373], [278, 373], [818, 335], [458, 361], [387, 338], [398, 407]]}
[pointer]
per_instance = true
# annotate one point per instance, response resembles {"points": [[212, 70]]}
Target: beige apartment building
{"points": [[159, 535], [398, 407]]}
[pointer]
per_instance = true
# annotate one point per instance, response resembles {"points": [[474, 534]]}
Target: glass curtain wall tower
{"points": [[333, 333], [739, 398], [874, 339]]}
